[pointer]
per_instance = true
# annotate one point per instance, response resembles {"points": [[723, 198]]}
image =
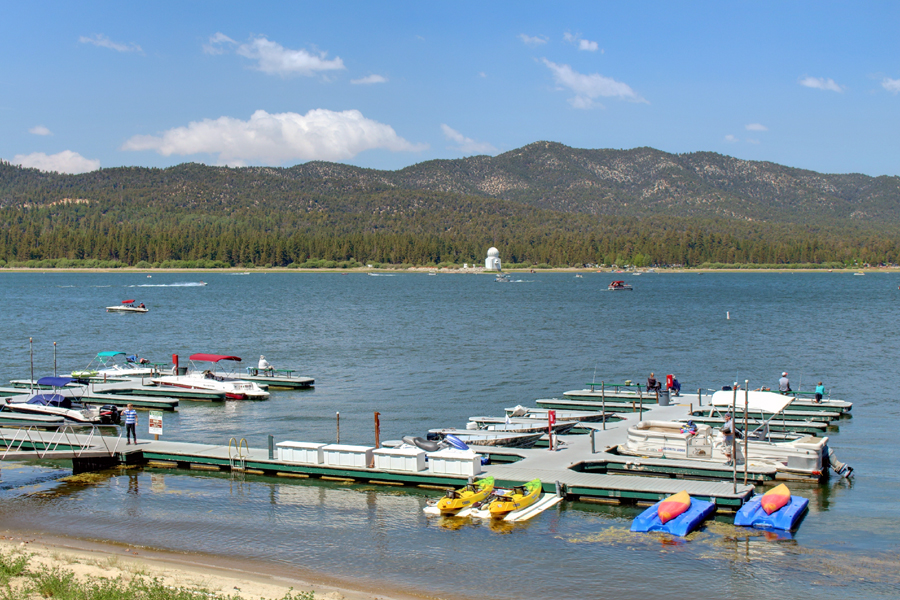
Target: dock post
{"points": [[338, 417], [699, 399], [746, 399], [602, 408], [271, 447], [54, 359], [641, 408], [377, 430], [734, 441], [593, 431]]}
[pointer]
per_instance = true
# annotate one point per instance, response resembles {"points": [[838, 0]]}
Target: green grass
{"points": [[58, 583]]}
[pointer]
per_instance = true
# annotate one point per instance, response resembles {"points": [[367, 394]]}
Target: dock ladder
{"points": [[237, 458]]}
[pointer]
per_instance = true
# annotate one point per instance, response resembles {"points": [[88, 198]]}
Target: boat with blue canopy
{"points": [[60, 405]]}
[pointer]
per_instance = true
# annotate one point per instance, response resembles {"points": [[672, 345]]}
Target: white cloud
{"points": [[275, 59], [891, 85], [467, 145], [40, 130], [104, 42], [756, 127], [369, 79], [217, 44], [752, 141], [820, 83], [589, 87], [730, 138], [582, 43], [64, 162], [538, 40], [277, 138]]}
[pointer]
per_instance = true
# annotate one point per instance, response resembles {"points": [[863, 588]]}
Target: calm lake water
{"points": [[432, 351]]}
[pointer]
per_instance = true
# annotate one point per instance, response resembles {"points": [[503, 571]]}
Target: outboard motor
{"points": [[109, 413], [842, 469]]}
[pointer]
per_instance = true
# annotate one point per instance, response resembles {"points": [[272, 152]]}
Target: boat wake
{"points": [[155, 285]]}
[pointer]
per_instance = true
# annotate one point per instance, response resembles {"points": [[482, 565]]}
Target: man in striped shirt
{"points": [[130, 424]]}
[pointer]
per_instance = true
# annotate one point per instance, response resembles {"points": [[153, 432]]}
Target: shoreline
{"points": [[442, 271], [218, 575]]}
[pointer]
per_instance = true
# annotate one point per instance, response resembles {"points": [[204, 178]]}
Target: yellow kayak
{"points": [[517, 498], [473, 493]]}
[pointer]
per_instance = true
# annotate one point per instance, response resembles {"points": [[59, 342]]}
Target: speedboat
{"points": [[619, 285], [128, 306], [104, 366], [59, 405], [502, 278], [519, 497], [209, 379], [465, 497]]}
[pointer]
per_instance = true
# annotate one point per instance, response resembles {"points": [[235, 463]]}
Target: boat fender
{"points": [[455, 442]]}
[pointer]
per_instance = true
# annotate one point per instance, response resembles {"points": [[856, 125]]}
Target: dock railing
{"points": [[77, 443]]}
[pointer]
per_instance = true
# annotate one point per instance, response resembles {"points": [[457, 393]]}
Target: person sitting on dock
{"points": [[264, 366], [652, 384], [728, 438], [820, 391], [784, 384], [675, 388]]}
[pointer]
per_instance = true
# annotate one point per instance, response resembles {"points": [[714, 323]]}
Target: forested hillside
{"points": [[542, 204]]}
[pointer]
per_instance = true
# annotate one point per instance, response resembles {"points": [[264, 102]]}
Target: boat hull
{"points": [[787, 518]]}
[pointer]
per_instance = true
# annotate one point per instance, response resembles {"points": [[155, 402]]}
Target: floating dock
{"points": [[283, 379]]}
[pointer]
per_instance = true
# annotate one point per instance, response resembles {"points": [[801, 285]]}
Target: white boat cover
{"points": [[769, 402]]}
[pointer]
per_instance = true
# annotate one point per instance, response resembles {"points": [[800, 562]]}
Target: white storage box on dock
{"points": [[411, 460], [304, 452], [455, 462], [339, 455]]}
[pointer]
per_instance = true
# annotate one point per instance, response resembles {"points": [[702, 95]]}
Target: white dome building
{"points": [[492, 262]]}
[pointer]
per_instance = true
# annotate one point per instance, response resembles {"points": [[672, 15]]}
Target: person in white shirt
{"points": [[264, 365]]}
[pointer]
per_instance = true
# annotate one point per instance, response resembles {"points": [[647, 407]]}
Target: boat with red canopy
{"points": [[128, 306], [619, 285], [211, 379]]}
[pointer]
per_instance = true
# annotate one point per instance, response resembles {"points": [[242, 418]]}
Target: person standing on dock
{"points": [[728, 438], [784, 384], [130, 424]]}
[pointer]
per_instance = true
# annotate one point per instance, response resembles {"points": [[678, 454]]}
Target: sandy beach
{"points": [[222, 577]]}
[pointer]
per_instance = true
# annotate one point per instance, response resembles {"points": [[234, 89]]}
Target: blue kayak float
{"points": [[786, 518], [686, 521]]}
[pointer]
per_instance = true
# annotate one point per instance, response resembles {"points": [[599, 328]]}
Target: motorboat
{"points": [[619, 285], [487, 438], [106, 366], [805, 457], [128, 306], [502, 278], [540, 414], [59, 405], [519, 497], [210, 379], [518, 425], [466, 497]]}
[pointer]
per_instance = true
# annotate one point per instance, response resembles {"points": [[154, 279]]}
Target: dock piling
{"points": [[593, 440], [602, 407], [271, 447], [337, 416]]}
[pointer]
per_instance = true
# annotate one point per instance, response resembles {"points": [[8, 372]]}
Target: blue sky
{"points": [[814, 85]]}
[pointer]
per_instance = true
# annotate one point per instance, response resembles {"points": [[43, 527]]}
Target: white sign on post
{"points": [[155, 420]]}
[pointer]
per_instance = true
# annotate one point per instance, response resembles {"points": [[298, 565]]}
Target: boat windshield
{"points": [[51, 400]]}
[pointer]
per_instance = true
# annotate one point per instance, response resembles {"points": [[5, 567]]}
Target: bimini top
{"points": [[108, 354], [55, 381], [127, 301], [50, 400], [769, 402], [214, 357]]}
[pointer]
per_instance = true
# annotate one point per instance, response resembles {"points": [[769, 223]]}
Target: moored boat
{"points": [[776, 509], [466, 497], [234, 387], [487, 438], [517, 498], [54, 404]]}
